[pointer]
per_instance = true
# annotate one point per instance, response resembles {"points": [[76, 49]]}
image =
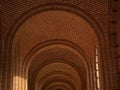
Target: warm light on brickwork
{"points": [[64, 31], [19, 83], [97, 69]]}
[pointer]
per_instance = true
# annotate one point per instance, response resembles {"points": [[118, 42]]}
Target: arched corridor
{"points": [[52, 42], [57, 46]]}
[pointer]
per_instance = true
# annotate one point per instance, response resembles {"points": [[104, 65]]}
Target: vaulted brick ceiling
{"points": [[56, 47], [50, 44]]}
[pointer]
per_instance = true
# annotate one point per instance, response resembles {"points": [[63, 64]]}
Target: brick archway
{"points": [[79, 62], [93, 24]]}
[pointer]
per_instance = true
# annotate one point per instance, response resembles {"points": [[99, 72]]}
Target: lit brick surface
{"points": [[11, 10]]}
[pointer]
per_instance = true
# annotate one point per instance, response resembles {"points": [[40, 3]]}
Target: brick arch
{"points": [[48, 43], [71, 77], [58, 79], [60, 73], [39, 9], [83, 60], [56, 6]]}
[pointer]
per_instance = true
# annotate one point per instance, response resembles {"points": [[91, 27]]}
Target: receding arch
{"points": [[48, 43], [57, 74], [58, 79], [69, 8], [58, 43]]}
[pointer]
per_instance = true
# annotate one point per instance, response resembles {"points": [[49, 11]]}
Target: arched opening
{"points": [[77, 66], [53, 25]]}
